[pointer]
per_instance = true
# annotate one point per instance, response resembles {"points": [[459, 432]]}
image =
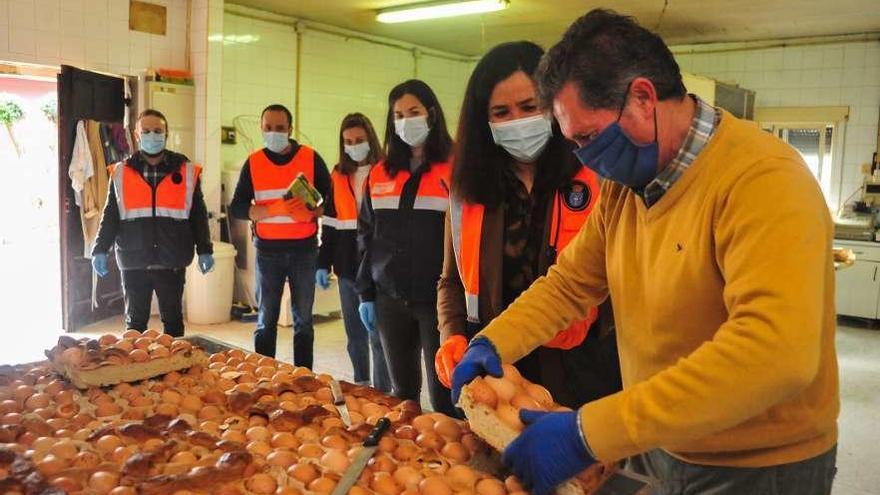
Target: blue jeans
{"points": [[358, 349], [297, 267], [812, 476]]}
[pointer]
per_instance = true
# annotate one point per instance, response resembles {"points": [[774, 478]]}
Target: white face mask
{"points": [[275, 141], [357, 152], [525, 138], [413, 130]]}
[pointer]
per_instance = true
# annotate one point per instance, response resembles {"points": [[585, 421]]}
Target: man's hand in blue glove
{"points": [[549, 451], [367, 311], [206, 263], [99, 264], [479, 359], [322, 278]]}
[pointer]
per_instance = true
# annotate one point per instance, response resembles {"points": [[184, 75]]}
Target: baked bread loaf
{"points": [[111, 360], [492, 406]]}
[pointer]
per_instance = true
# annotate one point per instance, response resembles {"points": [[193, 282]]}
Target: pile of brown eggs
{"points": [[132, 347], [72, 437]]}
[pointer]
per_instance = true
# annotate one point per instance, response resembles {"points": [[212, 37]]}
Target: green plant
{"points": [[50, 108], [10, 113]]}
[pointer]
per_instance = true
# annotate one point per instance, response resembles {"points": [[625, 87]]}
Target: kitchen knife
{"points": [[339, 402], [361, 458]]}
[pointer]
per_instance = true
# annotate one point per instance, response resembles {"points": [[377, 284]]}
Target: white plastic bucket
{"points": [[209, 296]]}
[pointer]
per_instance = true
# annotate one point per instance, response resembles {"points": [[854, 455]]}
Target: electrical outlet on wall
{"points": [[227, 135]]}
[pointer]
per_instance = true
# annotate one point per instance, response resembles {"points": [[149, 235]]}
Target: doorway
{"points": [[30, 291]]}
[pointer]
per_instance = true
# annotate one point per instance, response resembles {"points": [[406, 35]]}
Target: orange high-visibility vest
{"points": [[173, 198], [571, 208], [270, 184], [433, 192], [344, 202]]}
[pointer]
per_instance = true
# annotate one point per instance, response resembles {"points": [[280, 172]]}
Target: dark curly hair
{"points": [[602, 52], [479, 163]]}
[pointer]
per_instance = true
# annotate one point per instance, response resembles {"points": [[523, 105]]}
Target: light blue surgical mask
{"points": [[357, 152], [413, 130], [525, 139], [614, 155], [152, 143], [275, 141]]}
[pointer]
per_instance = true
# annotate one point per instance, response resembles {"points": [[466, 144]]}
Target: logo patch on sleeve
{"points": [[577, 196]]}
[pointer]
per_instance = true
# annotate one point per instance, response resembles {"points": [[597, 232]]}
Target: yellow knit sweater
{"points": [[723, 296]]}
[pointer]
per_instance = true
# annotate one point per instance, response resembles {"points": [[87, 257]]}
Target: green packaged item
{"points": [[300, 188]]}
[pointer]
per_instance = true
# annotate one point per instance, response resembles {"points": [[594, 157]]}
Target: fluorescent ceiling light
{"points": [[438, 10]]}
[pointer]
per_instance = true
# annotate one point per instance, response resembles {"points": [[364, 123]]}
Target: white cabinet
{"points": [[858, 287]]}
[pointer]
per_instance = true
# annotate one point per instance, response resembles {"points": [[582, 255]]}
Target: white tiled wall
{"points": [[846, 74], [91, 34], [338, 76]]}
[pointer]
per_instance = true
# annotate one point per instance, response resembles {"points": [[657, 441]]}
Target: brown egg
{"points": [[51, 465], [384, 484], [408, 477], [152, 334], [383, 463], [9, 405], [64, 449], [257, 420], [152, 444], [234, 436], [430, 440], [191, 403], [448, 429], [281, 457], [125, 490], [72, 356], [107, 409], [264, 371], [259, 448], [42, 445], [126, 345], [304, 472], [261, 483], [324, 394], [159, 351], [525, 401], [53, 387], [139, 356], [434, 486], [107, 339], [289, 490], [258, 433], [510, 416], [143, 343], [211, 427], [335, 460], [358, 490], [172, 397], [184, 457], [180, 346], [45, 412], [165, 340], [328, 423], [166, 409], [456, 452], [310, 450], [64, 397], [423, 423], [405, 451], [285, 440], [387, 444], [491, 486], [504, 389], [86, 460], [102, 482], [122, 453], [335, 442], [22, 392], [66, 483], [306, 434], [322, 485], [406, 432], [356, 418]]}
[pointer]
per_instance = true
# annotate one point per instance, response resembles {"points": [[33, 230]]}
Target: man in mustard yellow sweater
{"points": [[714, 242]]}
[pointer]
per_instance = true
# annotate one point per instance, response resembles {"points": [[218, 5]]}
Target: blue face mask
{"points": [[613, 155], [275, 141], [152, 143]]}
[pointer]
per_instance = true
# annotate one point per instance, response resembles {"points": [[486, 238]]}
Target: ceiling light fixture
{"points": [[438, 10]]}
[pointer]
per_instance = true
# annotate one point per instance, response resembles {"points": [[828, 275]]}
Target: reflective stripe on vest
{"points": [[270, 184], [134, 195], [466, 221], [432, 195], [344, 203]]}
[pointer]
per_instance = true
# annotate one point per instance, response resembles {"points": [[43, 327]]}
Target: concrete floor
{"points": [[858, 352]]}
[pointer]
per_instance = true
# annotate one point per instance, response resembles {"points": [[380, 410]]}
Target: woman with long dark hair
{"points": [[519, 196], [400, 232], [359, 151]]}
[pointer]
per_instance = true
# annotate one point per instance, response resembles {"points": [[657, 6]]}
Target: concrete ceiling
{"points": [[543, 21]]}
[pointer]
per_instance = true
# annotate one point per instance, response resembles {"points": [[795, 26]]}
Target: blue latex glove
{"points": [[549, 451], [367, 311], [479, 359], [206, 263], [99, 264], [322, 278]]}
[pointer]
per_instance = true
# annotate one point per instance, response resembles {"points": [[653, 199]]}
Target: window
{"points": [[813, 142]]}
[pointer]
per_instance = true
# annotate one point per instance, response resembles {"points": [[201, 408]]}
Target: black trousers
{"points": [[138, 287], [409, 331]]}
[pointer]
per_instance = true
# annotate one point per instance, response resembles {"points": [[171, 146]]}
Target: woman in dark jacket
{"points": [[518, 197], [400, 232], [359, 151]]}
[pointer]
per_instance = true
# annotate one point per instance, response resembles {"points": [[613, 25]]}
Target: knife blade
{"points": [[362, 457], [339, 402]]}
